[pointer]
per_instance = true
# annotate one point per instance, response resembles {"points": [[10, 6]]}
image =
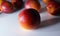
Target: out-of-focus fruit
{"points": [[33, 4], [6, 7], [0, 4], [17, 3], [29, 19], [1, 1], [53, 8], [47, 1]]}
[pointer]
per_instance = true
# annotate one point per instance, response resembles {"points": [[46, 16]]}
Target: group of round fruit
{"points": [[9, 7], [29, 18]]}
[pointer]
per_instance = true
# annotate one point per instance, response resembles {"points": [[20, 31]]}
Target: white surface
{"points": [[9, 25]]}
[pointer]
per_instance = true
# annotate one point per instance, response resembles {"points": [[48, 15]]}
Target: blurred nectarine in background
{"points": [[17, 3], [33, 4], [6, 7], [53, 8], [0, 4]]}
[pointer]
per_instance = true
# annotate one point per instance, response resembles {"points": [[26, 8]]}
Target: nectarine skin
{"points": [[29, 19], [6, 7], [33, 4], [0, 4], [53, 8], [17, 3]]}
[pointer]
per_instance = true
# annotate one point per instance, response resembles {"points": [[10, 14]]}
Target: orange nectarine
{"points": [[33, 4]]}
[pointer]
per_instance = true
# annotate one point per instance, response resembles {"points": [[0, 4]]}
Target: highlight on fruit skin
{"points": [[29, 19], [6, 7], [53, 8], [33, 4]]}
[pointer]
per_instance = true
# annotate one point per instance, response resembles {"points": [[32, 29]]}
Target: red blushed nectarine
{"points": [[53, 8], [33, 4], [17, 3], [6, 7], [29, 19]]}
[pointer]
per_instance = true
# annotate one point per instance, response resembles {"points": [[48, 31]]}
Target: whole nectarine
{"points": [[53, 8], [6, 7], [33, 4], [29, 18]]}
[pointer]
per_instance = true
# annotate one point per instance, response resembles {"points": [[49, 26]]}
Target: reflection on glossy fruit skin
{"points": [[6, 7], [53, 8], [29, 19], [33, 4], [17, 3]]}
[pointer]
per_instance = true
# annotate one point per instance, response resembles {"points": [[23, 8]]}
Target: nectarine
{"points": [[17, 3], [53, 8], [6, 7], [29, 19], [33, 4], [0, 4]]}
